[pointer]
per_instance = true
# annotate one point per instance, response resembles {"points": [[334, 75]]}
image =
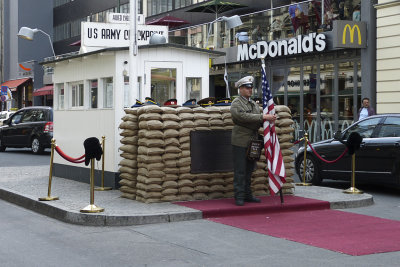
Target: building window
{"points": [[60, 88], [108, 93], [163, 84], [93, 94], [77, 95], [193, 88]]}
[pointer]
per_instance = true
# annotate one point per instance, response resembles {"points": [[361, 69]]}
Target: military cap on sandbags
{"points": [[223, 102], [150, 101], [191, 103], [173, 103], [137, 104], [205, 102], [245, 81]]}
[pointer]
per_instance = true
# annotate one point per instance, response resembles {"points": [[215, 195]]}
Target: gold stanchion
{"points": [[353, 189], [102, 188], [305, 162], [49, 197], [92, 208]]}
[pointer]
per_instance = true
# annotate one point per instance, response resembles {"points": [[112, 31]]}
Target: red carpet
{"points": [[227, 207], [339, 231]]}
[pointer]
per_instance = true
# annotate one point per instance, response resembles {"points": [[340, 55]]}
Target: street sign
{"points": [[117, 35]]}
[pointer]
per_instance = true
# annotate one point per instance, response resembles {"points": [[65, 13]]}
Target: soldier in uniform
{"points": [[247, 119]]}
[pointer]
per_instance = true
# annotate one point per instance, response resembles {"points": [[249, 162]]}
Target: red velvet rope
{"points": [[328, 161], [296, 142], [66, 157]]}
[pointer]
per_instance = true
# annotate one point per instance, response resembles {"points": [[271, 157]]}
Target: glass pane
{"points": [[326, 88], [93, 94], [346, 86], [193, 88], [108, 93], [293, 85], [80, 97], [163, 84], [310, 101]]}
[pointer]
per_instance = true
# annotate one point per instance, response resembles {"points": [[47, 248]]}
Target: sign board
{"points": [[117, 35], [123, 18], [313, 42], [26, 69], [5, 94], [349, 34], [211, 151]]}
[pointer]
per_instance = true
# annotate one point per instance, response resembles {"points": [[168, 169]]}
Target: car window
{"points": [[390, 128], [364, 128], [33, 115], [16, 118]]}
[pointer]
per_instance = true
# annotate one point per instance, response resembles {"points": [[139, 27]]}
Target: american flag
{"points": [[276, 167]]}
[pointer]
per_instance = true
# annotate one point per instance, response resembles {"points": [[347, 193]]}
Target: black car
{"points": [[28, 127], [377, 160]]}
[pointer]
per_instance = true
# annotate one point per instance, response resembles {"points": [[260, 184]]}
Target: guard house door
{"points": [[163, 81]]}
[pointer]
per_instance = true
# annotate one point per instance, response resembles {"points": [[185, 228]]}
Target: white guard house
{"points": [[92, 89]]}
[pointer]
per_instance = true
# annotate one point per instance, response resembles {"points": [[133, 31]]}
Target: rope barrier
{"points": [[328, 161], [66, 157]]}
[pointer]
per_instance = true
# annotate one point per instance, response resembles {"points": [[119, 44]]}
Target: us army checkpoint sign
{"points": [[349, 34], [117, 35]]}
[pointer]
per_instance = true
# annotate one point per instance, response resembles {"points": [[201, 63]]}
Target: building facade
{"points": [[388, 59], [323, 88], [19, 58]]}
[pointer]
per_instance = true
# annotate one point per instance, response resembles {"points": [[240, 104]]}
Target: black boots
{"points": [[252, 199], [239, 202]]}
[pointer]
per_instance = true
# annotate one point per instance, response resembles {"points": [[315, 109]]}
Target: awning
{"points": [[13, 84], [47, 90]]}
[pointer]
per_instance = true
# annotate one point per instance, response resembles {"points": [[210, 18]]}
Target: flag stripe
{"points": [[276, 167]]}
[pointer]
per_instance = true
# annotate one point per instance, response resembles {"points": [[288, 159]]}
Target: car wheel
{"points": [[36, 147], [2, 147], [312, 172]]}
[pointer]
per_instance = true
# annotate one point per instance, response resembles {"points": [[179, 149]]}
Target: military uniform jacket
{"points": [[247, 119]]}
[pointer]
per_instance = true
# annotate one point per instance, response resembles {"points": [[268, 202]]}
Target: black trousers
{"points": [[243, 169]]}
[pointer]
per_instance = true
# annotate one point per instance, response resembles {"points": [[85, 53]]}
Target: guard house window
{"points": [[77, 95], [60, 87], [108, 93], [93, 94], [193, 88], [163, 84]]}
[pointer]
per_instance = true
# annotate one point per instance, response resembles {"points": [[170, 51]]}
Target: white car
{"points": [[4, 115]]}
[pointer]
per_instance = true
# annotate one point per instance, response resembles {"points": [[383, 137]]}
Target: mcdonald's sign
{"points": [[349, 34]]}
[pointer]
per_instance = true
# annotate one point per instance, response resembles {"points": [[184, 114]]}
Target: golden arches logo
{"points": [[351, 31]]}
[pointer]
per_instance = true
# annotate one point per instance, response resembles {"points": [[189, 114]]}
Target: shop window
{"points": [[60, 88], [77, 95], [93, 94], [163, 84], [193, 88], [108, 93]]}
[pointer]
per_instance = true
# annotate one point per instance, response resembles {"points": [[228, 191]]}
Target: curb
{"points": [[52, 210], [95, 219]]}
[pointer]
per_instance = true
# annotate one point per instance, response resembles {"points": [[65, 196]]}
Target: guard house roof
{"points": [[212, 53]]}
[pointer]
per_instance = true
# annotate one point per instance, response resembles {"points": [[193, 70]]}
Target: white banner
{"points": [[117, 35]]}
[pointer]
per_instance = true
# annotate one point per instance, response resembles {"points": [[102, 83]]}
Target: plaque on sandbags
{"points": [[211, 151]]}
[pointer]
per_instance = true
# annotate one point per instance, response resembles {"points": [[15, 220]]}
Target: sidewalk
{"points": [[24, 185]]}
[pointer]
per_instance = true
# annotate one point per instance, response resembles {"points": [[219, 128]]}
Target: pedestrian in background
{"points": [[247, 120], [366, 110]]}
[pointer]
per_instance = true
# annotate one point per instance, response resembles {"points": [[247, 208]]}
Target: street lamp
{"points": [[28, 33], [231, 22]]}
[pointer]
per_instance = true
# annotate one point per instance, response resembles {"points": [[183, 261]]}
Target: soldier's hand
{"points": [[269, 117]]}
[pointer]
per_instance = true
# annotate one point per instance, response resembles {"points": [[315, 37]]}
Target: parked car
{"points": [[28, 127], [4, 115], [377, 160]]}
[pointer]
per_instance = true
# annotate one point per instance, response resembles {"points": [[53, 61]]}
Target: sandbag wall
{"points": [[156, 154]]}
